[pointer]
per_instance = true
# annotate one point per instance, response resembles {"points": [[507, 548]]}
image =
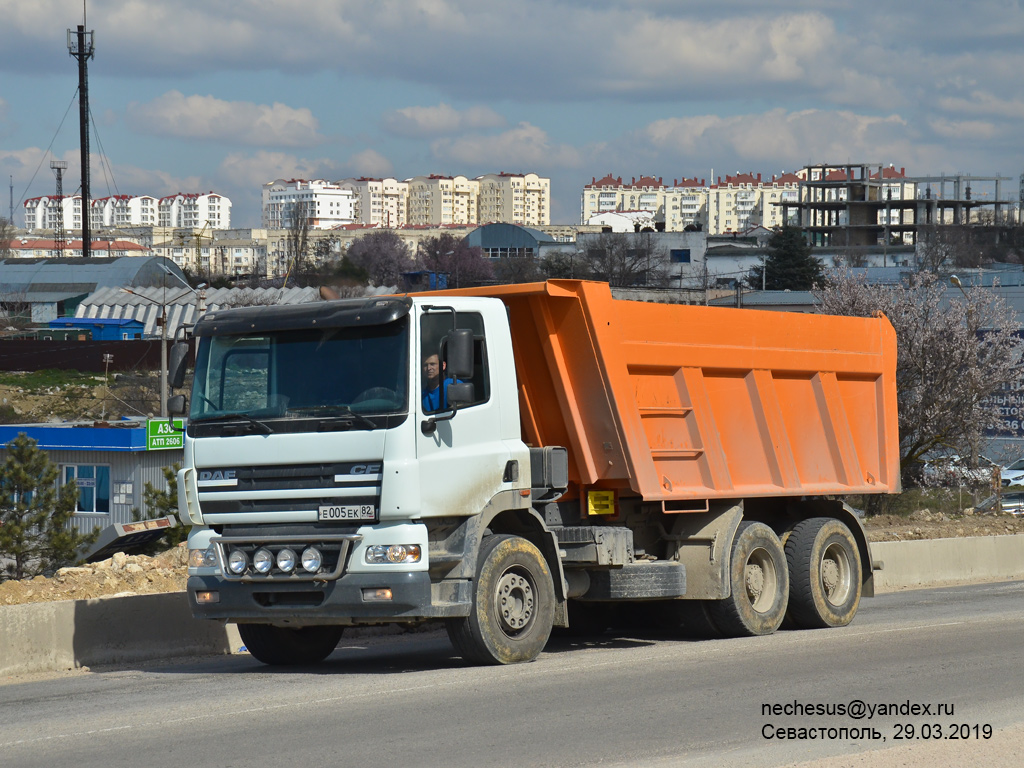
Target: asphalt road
{"points": [[623, 699]]}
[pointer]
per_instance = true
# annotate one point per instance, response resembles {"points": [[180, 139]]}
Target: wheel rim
{"points": [[760, 580], [836, 574], [514, 600]]}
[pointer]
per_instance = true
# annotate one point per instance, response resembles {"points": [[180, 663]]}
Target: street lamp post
{"points": [[162, 322]]}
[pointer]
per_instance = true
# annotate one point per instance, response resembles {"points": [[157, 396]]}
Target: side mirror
{"points": [[459, 342], [460, 393], [176, 405], [176, 367]]}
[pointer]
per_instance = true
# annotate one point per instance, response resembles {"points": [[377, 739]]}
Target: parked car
{"points": [[953, 470], [1013, 474], [1010, 502]]}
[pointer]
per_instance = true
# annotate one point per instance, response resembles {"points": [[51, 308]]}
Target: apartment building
{"points": [[324, 204], [180, 210], [379, 202], [443, 200], [732, 204], [515, 199], [124, 211], [739, 202]]}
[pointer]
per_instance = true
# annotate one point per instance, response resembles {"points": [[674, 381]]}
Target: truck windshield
{"points": [[349, 373]]}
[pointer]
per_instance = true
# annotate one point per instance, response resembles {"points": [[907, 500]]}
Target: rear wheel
{"points": [[513, 605], [288, 646], [825, 574], [759, 584]]}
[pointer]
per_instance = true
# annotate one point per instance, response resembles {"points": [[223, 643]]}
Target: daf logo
{"points": [[365, 469], [217, 474]]}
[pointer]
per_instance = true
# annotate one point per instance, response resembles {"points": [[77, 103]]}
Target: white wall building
{"points": [[515, 199], [325, 204], [443, 200], [379, 202], [194, 210]]}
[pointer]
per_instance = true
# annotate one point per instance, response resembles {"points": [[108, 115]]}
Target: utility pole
{"points": [[80, 46]]}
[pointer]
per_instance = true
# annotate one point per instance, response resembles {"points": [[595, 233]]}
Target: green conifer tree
{"points": [[35, 535]]}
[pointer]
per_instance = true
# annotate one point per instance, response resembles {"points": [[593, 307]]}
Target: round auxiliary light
{"points": [[286, 560], [397, 553], [312, 559], [263, 560], [238, 561]]}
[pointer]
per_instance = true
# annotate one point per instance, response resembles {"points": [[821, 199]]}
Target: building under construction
{"points": [[860, 206]]}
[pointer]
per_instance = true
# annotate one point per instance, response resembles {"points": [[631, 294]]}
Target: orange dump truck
{"points": [[513, 458]]}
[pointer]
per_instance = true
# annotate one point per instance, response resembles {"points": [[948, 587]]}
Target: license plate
{"points": [[347, 512]]}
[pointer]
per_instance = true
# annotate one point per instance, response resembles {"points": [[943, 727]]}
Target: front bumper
{"points": [[343, 601]]}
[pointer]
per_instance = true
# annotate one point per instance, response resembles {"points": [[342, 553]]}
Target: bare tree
{"points": [[626, 259], [6, 236], [947, 247], [952, 356], [297, 238], [517, 269], [383, 255], [450, 255]]}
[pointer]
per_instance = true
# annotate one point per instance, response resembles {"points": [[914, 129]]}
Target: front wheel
{"points": [[759, 584], [824, 574], [513, 605], [279, 646]]}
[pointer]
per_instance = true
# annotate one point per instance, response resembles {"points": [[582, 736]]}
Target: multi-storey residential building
{"points": [[229, 257], [324, 204], [515, 199], [124, 211], [379, 202], [730, 205], [739, 202], [194, 210], [443, 200], [610, 194], [182, 210]]}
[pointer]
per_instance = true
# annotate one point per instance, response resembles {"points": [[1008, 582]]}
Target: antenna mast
{"points": [[80, 46]]}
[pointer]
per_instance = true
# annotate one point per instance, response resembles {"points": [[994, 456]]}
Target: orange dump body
{"points": [[687, 403]]}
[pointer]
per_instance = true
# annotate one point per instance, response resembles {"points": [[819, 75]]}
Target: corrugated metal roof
{"points": [[146, 304], [85, 275]]}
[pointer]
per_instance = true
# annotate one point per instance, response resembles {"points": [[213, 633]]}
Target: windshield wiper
{"points": [[336, 410], [263, 427]]}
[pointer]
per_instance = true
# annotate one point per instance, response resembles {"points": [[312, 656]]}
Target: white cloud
{"points": [[369, 162], [210, 118], [964, 129], [985, 103], [257, 169], [418, 122], [792, 138], [523, 147]]}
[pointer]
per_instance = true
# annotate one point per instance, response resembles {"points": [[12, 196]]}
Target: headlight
{"points": [[393, 553], [263, 560], [286, 560], [202, 558], [312, 559], [238, 561]]}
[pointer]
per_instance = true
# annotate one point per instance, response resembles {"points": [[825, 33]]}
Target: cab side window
{"points": [[434, 377]]}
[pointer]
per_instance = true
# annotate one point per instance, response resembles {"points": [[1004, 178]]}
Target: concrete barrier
{"points": [[934, 562], [40, 637], [45, 637]]}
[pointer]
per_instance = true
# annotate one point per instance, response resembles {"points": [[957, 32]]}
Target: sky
{"points": [[221, 95]]}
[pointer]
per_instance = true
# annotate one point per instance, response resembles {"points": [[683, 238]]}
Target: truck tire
{"points": [[513, 604], [824, 574], [759, 584], [280, 646]]}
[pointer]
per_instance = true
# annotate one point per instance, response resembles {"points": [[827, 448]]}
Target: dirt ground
{"points": [[138, 574]]}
